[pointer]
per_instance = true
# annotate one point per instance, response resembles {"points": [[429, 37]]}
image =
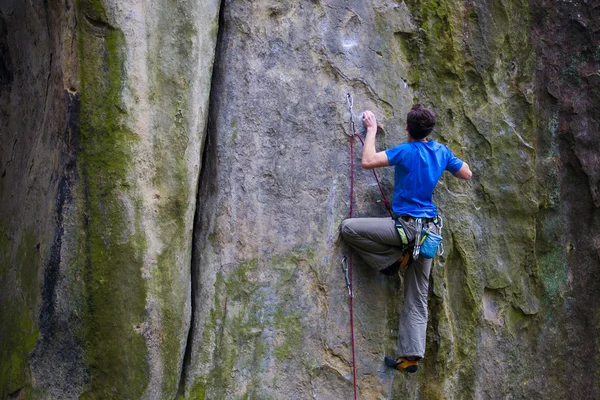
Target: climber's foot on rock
{"points": [[402, 364]]}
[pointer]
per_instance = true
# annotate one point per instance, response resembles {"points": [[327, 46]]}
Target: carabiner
{"points": [[350, 103], [346, 275]]}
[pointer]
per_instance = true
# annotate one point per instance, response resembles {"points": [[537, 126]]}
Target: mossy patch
{"points": [[198, 391], [472, 64], [289, 324], [171, 52], [553, 272], [18, 331], [116, 353], [238, 335], [239, 286]]}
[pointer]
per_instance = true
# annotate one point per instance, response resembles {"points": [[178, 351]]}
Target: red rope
{"points": [[389, 208], [350, 263], [383, 198]]}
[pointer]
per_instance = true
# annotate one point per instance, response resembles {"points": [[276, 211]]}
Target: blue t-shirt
{"points": [[418, 167]]}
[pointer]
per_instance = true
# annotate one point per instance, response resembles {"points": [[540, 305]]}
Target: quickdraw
{"points": [[345, 270]]}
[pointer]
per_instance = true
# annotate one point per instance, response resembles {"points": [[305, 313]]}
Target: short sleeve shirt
{"points": [[418, 167]]}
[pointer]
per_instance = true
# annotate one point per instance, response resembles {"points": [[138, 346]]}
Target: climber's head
{"points": [[420, 122]]}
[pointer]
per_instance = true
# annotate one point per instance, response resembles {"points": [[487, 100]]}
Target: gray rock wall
{"points": [[39, 140], [104, 108], [167, 231], [271, 317], [271, 302]]}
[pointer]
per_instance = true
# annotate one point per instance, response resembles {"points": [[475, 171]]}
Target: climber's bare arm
{"points": [[371, 158], [464, 172]]}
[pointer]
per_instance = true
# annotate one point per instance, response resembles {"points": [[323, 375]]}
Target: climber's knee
{"points": [[346, 228]]}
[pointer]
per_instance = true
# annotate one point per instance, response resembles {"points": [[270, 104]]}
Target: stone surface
{"points": [[155, 243], [271, 315], [274, 188], [104, 107]]}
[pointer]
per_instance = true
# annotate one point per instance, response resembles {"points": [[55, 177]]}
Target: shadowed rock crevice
{"points": [[205, 181]]}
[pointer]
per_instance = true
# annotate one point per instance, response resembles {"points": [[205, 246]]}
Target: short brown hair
{"points": [[420, 121]]}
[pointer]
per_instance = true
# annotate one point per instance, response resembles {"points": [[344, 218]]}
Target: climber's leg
{"points": [[413, 319], [374, 239]]}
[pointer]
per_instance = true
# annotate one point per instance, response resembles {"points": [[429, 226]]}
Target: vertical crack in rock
{"points": [[194, 276], [48, 83], [203, 180], [51, 273]]}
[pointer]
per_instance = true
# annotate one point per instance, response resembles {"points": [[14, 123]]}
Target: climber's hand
{"points": [[369, 120]]}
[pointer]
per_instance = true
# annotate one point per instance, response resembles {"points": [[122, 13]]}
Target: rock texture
{"points": [[104, 107], [155, 243], [271, 319]]}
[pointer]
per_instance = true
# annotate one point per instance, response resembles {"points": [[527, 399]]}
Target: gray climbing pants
{"points": [[377, 242]]}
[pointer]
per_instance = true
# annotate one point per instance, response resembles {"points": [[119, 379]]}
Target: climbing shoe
{"points": [[402, 364], [392, 269]]}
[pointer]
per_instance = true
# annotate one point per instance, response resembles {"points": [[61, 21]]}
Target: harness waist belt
{"points": [[409, 218]]}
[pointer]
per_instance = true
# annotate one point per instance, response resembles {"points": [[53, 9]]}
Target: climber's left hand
{"points": [[369, 121]]}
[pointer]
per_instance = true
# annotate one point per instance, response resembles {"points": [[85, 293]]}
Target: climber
{"points": [[383, 242]]}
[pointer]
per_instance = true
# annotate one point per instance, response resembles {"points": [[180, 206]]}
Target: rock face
{"points": [[119, 278], [104, 106]]}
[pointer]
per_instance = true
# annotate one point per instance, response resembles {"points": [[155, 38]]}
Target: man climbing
{"points": [[383, 242]]}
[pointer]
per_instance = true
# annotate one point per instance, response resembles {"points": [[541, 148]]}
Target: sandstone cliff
{"points": [[173, 175]]}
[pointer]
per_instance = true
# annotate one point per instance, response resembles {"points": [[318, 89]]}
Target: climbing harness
{"points": [[401, 233], [404, 240]]}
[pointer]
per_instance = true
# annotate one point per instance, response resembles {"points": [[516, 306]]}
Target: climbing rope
{"points": [[347, 262]]}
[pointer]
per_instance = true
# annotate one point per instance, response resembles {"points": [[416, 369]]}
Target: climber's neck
{"points": [[411, 139]]}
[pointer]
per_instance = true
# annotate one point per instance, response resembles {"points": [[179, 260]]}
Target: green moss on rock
{"points": [[171, 52], [18, 331], [472, 64], [553, 271], [116, 352], [290, 326], [233, 337]]}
